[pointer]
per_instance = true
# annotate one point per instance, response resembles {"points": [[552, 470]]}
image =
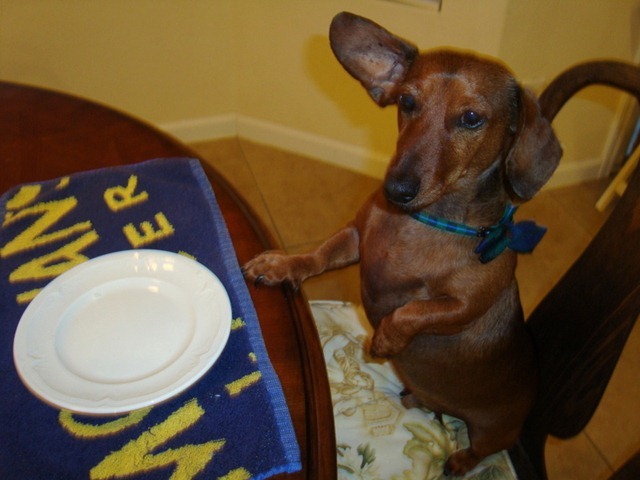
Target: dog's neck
{"points": [[479, 206]]}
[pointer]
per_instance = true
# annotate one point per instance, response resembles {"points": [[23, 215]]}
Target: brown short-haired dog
{"points": [[445, 309]]}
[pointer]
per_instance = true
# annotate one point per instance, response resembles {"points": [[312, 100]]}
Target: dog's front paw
{"points": [[387, 340], [275, 267], [269, 268]]}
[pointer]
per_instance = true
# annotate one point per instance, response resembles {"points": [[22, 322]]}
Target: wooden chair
{"points": [[582, 325]]}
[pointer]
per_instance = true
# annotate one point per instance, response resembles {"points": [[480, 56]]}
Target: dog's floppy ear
{"points": [[375, 57], [535, 153]]}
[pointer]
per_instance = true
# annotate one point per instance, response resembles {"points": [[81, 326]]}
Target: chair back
{"points": [[581, 326]]}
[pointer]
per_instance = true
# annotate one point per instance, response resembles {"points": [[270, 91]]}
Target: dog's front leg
{"points": [[443, 315], [274, 267]]}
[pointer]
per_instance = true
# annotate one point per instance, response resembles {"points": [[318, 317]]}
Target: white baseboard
{"points": [[321, 148], [331, 151], [201, 129], [572, 173]]}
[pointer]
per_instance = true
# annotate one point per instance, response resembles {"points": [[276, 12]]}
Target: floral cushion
{"points": [[377, 438]]}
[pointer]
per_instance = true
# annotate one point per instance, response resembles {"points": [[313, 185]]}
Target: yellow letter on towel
{"points": [[146, 233], [118, 198], [136, 457]]}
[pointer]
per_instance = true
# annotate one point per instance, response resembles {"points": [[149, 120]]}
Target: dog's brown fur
{"points": [[452, 325]]}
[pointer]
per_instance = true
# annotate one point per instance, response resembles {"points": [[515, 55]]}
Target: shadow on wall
{"points": [[634, 28], [345, 91]]}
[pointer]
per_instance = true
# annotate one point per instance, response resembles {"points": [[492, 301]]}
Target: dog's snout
{"points": [[401, 192]]}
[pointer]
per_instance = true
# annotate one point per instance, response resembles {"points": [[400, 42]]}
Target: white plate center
{"points": [[124, 330]]}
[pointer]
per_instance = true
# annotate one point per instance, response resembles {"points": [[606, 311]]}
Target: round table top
{"points": [[46, 134]]}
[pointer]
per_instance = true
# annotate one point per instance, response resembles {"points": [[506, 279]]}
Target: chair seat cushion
{"points": [[376, 437]]}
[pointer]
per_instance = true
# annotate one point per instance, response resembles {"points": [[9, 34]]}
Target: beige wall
{"points": [[288, 74], [182, 60], [163, 60]]}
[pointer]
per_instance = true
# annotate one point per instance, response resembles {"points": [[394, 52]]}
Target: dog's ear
{"points": [[535, 152], [375, 57]]}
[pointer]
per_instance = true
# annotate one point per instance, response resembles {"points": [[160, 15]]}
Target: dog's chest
{"points": [[401, 258]]}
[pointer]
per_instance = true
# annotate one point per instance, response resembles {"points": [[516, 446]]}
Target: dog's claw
{"points": [[258, 281]]}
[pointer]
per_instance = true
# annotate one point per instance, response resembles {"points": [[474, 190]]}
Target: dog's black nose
{"points": [[401, 192]]}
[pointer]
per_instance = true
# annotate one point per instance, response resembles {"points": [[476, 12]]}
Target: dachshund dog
{"points": [[436, 242]]}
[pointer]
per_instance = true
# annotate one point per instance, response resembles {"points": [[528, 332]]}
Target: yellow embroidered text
{"points": [[23, 197], [236, 387], [146, 233], [91, 431], [118, 198], [63, 183], [237, 474], [53, 264], [34, 236], [237, 323], [136, 457]]}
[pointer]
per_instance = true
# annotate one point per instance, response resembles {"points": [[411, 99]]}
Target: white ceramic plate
{"points": [[122, 331]]}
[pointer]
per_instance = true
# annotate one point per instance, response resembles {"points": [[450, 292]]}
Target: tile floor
{"points": [[303, 201]]}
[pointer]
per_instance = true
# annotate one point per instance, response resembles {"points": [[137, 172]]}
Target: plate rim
{"points": [[106, 406]]}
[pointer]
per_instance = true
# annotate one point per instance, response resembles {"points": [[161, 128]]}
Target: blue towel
{"points": [[212, 430]]}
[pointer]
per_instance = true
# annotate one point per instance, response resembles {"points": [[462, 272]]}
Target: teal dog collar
{"points": [[521, 237]]}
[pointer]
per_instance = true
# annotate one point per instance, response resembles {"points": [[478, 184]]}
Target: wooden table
{"points": [[45, 134]]}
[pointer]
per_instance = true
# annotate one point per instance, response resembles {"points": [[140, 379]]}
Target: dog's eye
{"points": [[471, 120], [407, 103]]}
